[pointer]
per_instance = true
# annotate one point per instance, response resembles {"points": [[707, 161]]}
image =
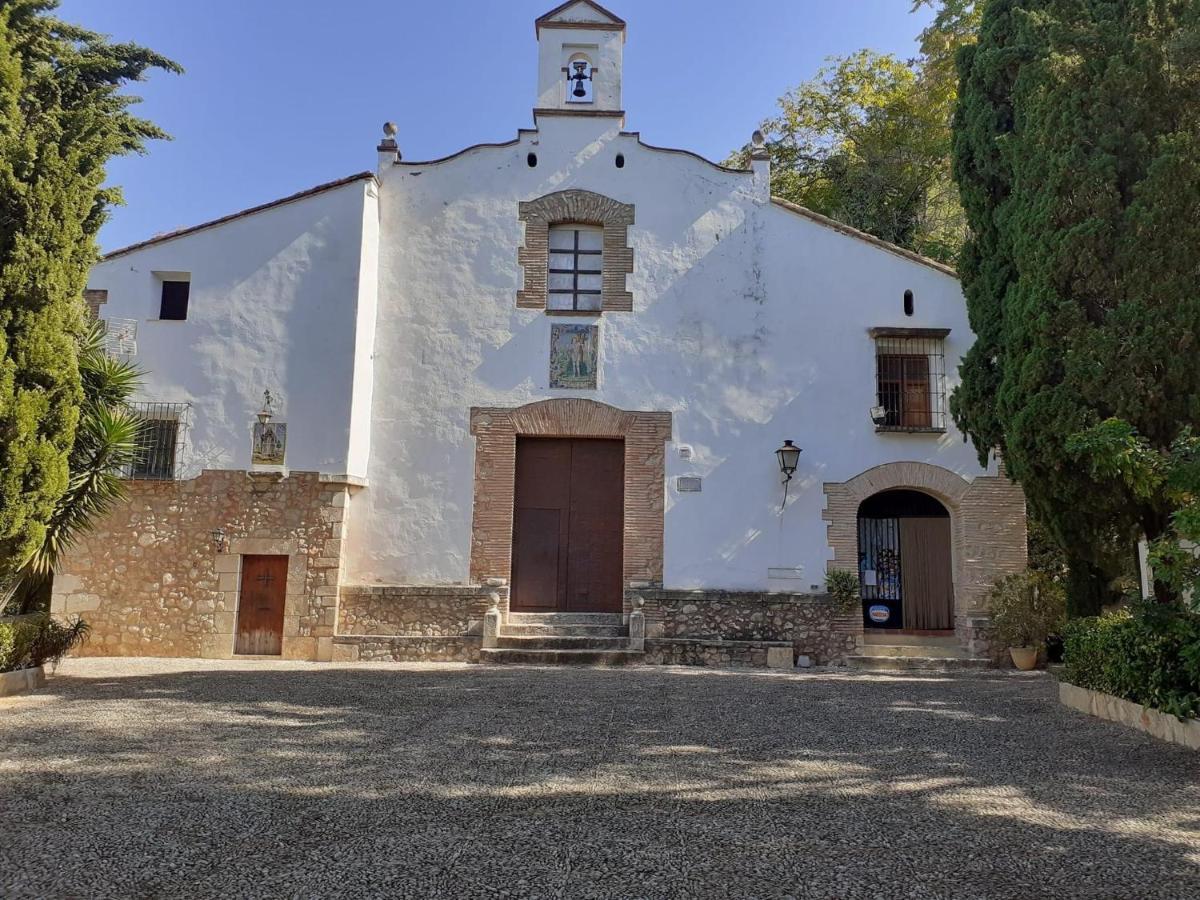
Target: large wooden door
{"points": [[260, 605], [568, 522], [925, 572]]}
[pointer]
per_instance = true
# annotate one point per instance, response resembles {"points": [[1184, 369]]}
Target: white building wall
{"points": [[749, 325], [273, 305]]}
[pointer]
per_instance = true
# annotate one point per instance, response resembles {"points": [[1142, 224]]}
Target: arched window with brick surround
{"points": [[576, 253]]}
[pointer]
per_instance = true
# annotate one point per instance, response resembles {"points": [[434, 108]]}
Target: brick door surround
{"points": [[987, 524], [496, 430]]}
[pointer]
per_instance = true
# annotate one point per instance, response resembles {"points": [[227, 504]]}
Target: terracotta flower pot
{"points": [[1024, 658]]}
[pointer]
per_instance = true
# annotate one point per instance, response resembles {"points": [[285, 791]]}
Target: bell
{"points": [[579, 89]]}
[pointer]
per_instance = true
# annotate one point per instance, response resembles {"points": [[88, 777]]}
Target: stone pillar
{"points": [[491, 624], [637, 626]]}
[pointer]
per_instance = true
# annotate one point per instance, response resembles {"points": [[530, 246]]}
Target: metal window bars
{"points": [[576, 267], [911, 383], [160, 440]]}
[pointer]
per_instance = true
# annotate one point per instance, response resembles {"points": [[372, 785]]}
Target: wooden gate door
{"points": [[925, 571], [568, 525], [260, 605]]}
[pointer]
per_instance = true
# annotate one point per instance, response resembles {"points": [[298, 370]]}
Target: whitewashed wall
{"points": [[750, 326], [275, 304]]}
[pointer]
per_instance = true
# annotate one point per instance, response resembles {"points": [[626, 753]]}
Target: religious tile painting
{"points": [[270, 442], [574, 356]]}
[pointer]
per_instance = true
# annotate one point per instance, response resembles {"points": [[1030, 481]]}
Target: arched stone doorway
{"points": [[905, 562]]}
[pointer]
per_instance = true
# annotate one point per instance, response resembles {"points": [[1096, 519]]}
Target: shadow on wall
{"points": [[655, 783]]}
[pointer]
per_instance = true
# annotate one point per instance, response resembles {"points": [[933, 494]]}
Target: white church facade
{"points": [[525, 402]]}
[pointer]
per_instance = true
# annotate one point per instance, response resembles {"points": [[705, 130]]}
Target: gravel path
{"points": [[169, 778]]}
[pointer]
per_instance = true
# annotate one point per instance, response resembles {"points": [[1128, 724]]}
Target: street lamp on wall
{"points": [[218, 539], [789, 458]]}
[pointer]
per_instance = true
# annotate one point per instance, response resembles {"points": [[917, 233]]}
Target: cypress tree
{"points": [[1078, 159], [62, 117]]}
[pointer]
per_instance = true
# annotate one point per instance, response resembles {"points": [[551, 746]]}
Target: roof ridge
{"points": [[262, 207], [853, 232]]}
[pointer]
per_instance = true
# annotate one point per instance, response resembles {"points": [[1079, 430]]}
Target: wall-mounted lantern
{"points": [[789, 457], [218, 539], [879, 414], [264, 414]]}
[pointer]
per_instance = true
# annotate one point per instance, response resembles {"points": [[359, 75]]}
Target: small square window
{"points": [[174, 300]]}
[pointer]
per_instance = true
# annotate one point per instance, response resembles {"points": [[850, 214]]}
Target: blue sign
{"points": [[879, 613]]}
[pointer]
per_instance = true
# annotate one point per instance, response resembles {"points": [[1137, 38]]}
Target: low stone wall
{"points": [[1133, 715], [378, 648], [809, 622], [719, 654], [412, 610], [22, 681]]}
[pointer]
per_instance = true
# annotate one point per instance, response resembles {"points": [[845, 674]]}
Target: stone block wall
{"points": [[151, 581], [810, 622], [413, 611]]}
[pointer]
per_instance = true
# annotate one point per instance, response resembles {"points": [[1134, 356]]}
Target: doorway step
{"points": [[556, 639], [910, 652]]}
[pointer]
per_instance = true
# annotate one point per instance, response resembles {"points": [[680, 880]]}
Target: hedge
{"points": [[1150, 656]]}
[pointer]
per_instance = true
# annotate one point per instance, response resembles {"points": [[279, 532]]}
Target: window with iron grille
{"points": [[576, 267], [910, 375], [158, 441]]}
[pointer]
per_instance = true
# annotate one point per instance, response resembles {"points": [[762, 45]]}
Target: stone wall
{"points": [[151, 581], [412, 611], [379, 648], [719, 654], [811, 623]]}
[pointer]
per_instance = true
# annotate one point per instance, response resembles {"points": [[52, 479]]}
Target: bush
{"points": [[843, 587], [1150, 656], [35, 640], [1026, 608]]}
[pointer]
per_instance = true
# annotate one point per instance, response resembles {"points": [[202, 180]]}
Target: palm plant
{"points": [[106, 443]]}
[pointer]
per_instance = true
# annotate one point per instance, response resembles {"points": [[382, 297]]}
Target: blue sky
{"points": [[279, 96]]}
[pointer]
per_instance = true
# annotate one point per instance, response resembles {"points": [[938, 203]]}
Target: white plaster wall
{"points": [[750, 326], [272, 306], [364, 336]]}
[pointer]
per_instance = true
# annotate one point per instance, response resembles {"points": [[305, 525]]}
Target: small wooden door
{"points": [[925, 572], [568, 523], [260, 605]]}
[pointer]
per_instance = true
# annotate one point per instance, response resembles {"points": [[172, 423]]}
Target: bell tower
{"points": [[580, 47]]}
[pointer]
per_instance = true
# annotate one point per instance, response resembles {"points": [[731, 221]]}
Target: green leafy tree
{"points": [[62, 117], [106, 443], [1077, 156], [867, 141], [1165, 477]]}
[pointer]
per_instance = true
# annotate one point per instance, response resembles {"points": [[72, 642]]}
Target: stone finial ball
{"points": [[390, 129], [757, 138]]}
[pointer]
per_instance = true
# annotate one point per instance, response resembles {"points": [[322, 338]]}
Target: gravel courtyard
{"points": [[160, 778]]}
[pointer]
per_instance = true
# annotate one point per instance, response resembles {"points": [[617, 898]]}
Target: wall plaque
{"points": [[574, 356]]}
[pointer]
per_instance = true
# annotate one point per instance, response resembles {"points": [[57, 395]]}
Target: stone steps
{"points": [[566, 618], [550, 631], [509, 641], [915, 650], [508, 656], [915, 663], [910, 640]]}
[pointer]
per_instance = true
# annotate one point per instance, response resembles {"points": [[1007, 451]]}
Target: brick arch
{"points": [[496, 430], [987, 526], [584, 208], [844, 499]]}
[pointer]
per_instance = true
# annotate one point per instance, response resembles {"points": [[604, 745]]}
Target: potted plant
{"points": [[843, 587], [1025, 609]]}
